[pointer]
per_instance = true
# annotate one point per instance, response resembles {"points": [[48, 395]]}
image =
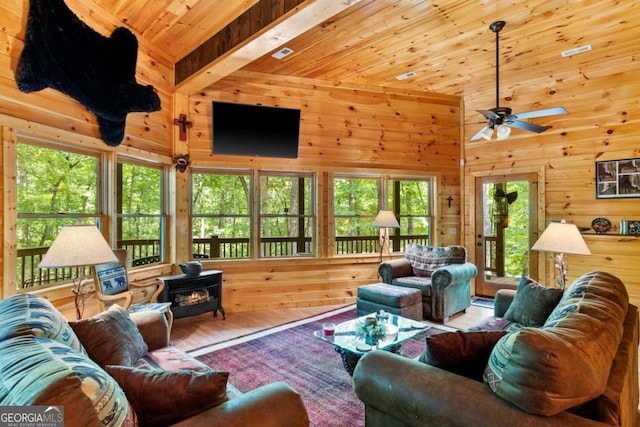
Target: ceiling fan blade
{"points": [[539, 113], [488, 114], [478, 135], [527, 126]]}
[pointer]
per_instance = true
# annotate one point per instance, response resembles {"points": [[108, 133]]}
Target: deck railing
{"points": [[142, 252]]}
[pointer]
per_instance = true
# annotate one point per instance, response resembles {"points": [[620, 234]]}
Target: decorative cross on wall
{"points": [[450, 199], [184, 125]]}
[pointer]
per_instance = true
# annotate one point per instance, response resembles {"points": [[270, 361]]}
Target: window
{"points": [[55, 187], [410, 199], [141, 220], [287, 206], [357, 201], [221, 214], [223, 221]]}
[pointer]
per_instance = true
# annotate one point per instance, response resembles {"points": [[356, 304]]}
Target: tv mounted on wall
{"points": [[255, 130]]}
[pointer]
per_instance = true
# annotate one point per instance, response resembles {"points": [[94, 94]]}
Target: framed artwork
{"points": [[618, 179]]}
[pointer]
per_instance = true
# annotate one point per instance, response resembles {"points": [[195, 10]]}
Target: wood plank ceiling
{"points": [[446, 43]]}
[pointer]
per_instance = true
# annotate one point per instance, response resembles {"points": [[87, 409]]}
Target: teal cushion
{"points": [[40, 371], [533, 303], [31, 314]]}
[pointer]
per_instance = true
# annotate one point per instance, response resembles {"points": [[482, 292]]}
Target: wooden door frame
{"points": [[538, 268]]}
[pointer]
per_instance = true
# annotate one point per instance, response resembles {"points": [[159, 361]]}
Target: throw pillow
{"points": [[43, 372], [32, 314], [426, 259], [111, 337], [533, 303], [113, 281], [462, 352], [162, 398]]}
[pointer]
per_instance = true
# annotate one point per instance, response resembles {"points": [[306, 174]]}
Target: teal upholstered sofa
{"points": [[442, 274], [580, 368], [45, 360]]}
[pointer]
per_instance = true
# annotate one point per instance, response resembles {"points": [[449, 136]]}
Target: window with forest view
{"points": [[357, 201], [410, 199], [355, 206], [221, 214], [223, 221], [141, 217], [54, 188], [287, 207]]}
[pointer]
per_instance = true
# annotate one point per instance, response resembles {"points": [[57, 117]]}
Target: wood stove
{"points": [[190, 296]]}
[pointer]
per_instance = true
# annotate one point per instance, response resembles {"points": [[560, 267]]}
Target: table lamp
{"points": [[78, 246], [561, 238], [385, 220]]}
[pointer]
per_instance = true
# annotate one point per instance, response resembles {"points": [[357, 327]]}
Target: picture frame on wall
{"points": [[618, 179]]}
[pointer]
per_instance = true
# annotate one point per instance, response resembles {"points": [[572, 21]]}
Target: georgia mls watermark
{"points": [[31, 416]]}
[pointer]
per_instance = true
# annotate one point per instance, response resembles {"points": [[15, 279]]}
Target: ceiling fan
{"points": [[500, 118]]}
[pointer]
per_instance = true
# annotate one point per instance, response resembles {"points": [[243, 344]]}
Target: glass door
{"points": [[506, 218]]}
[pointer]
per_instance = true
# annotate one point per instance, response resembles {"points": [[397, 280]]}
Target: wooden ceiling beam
{"points": [[294, 22]]}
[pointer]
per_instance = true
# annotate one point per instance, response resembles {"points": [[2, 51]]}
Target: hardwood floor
{"points": [[196, 331]]}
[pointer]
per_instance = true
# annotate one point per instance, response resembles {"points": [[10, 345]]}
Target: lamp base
{"points": [[561, 266], [79, 295]]}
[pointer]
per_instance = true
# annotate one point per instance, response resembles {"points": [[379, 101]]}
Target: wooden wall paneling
{"points": [[180, 208], [344, 129], [295, 282], [9, 210]]}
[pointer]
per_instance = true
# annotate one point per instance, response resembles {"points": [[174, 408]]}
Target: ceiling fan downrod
{"points": [[496, 27]]}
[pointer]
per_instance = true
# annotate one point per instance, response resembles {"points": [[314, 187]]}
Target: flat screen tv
{"points": [[255, 130]]}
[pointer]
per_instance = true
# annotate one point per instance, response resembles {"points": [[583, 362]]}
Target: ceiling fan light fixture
{"points": [[487, 133], [503, 132]]}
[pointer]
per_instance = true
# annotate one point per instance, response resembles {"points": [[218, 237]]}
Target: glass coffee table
{"points": [[352, 345]]}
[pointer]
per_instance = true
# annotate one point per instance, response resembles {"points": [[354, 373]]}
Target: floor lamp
{"points": [[561, 238], [385, 220], [78, 246]]}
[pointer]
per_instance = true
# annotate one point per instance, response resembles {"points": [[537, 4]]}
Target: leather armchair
{"points": [[446, 292]]}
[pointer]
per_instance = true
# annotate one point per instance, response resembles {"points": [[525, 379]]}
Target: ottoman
{"points": [[405, 302]]}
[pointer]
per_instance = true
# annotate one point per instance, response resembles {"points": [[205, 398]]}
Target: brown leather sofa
{"points": [[45, 360], [579, 369]]}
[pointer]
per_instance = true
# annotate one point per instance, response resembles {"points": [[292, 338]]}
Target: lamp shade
{"points": [[561, 237], [78, 245], [386, 219]]}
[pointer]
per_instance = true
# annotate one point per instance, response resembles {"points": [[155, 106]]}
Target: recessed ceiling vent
{"points": [[406, 75], [285, 51]]}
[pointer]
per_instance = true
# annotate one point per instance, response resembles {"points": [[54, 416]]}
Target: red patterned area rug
{"points": [[309, 365]]}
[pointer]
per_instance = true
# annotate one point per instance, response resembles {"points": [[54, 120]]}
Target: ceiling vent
{"points": [[576, 51], [406, 75], [285, 51]]}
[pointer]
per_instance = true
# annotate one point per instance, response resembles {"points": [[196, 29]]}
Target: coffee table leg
{"points": [[349, 360], [397, 349]]}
